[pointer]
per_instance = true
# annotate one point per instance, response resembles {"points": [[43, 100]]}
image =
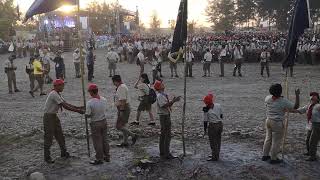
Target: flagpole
{"points": [[286, 120], [184, 84], [82, 74]]}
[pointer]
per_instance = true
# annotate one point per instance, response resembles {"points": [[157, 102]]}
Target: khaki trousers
{"points": [[274, 135], [122, 120], [214, 133], [39, 79], [11, 80], [99, 139], [165, 136], [52, 128]]}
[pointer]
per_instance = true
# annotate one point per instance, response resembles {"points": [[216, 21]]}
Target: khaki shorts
{"points": [[123, 116], [145, 104]]}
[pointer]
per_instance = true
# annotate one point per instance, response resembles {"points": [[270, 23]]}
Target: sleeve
{"points": [[162, 100], [287, 104], [303, 109], [56, 98], [88, 109]]}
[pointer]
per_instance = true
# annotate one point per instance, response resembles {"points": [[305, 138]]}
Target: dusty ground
{"points": [[21, 138]]}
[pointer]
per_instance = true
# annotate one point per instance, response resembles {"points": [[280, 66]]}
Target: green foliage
{"points": [[8, 17], [222, 14]]}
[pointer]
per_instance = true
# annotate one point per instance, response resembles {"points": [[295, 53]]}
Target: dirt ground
{"points": [[242, 99]]}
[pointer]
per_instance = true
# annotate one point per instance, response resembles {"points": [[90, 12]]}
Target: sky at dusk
{"points": [[166, 9]]}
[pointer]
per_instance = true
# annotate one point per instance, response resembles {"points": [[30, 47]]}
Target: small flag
{"points": [[300, 21], [44, 6], [180, 31]]}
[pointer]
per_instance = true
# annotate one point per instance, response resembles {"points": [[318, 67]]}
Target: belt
{"points": [[218, 122], [100, 121]]}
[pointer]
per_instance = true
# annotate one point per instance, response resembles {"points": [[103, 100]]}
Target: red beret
{"points": [[92, 87], [314, 94], [157, 85], [58, 82], [209, 99]]}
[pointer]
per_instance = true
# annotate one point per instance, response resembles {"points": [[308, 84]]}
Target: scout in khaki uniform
{"points": [[313, 115], [213, 115], [164, 111], [51, 122], [38, 75], [96, 110], [145, 105], [112, 58], [276, 106], [9, 69], [29, 71], [122, 102]]}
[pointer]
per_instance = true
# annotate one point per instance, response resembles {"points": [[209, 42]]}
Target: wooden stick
{"points": [[286, 116], [82, 76]]}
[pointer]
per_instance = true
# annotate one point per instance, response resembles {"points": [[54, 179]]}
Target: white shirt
{"points": [[190, 56], [96, 109], [208, 57], [237, 53], [76, 57], [122, 93], [112, 57], [53, 102], [213, 115], [223, 53], [276, 108], [141, 57]]}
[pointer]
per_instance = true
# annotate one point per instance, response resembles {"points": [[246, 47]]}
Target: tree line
{"points": [[227, 14]]}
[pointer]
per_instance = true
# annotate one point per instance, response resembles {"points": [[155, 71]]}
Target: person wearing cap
{"points": [[312, 111], [164, 111], [90, 63], [238, 56], [276, 107], [264, 60], [76, 62], [96, 109], [112, 58], [9, 69], [122, 102], [51, 122], [38, 75], [213, 116]]}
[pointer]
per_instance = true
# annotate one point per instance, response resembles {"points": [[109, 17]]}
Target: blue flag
{"points": [[180, 31], [299, 22], [44, 6]]}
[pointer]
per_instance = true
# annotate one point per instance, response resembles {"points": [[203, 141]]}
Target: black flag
{"points": [[180, 32], [299, 22], [44, 6]]}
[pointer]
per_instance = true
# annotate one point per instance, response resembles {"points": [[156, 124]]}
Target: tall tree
{"points": [[222, 14], [8, 17], [155, 21], [245, 11]]}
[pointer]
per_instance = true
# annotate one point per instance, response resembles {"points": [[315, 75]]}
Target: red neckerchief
{"points": [[275, 98], [96, 96], [309, 112], [167, 97]]}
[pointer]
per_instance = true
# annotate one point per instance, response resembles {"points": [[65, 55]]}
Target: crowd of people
{"points": [[236, 48]]}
